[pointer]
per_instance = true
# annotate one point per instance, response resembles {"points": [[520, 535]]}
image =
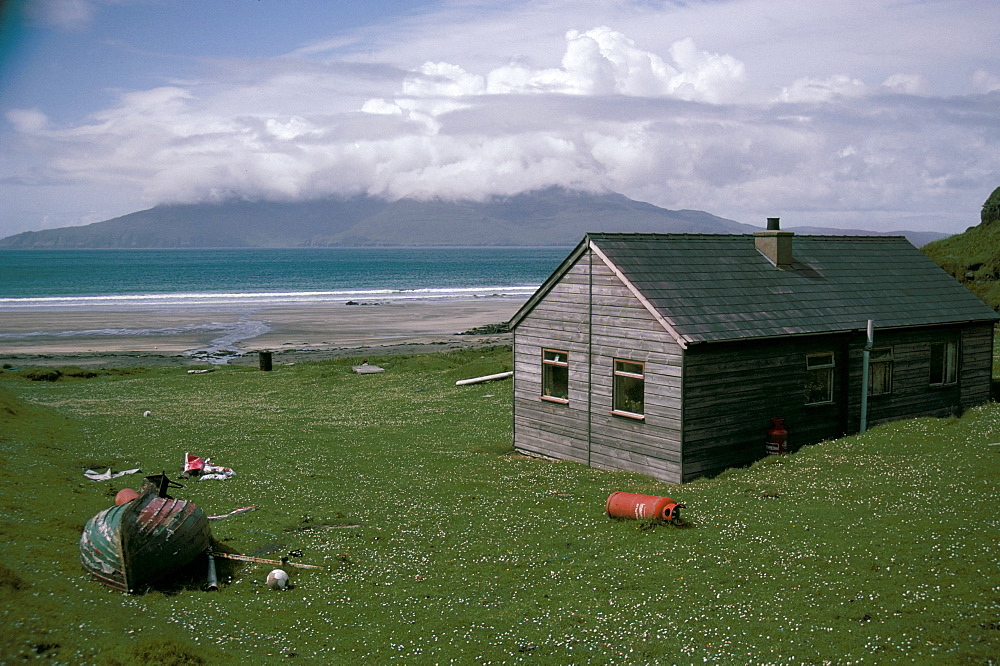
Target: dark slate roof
{"points": [[712, 287]]}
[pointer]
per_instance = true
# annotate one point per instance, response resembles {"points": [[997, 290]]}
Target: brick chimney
{"points": [[774, 243]]}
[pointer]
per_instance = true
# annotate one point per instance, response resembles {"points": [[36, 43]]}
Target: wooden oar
{"points": [[235, 512], [261, 560]]}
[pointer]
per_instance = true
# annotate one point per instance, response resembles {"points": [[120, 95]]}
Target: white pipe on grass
{"points": [[486, 378]]}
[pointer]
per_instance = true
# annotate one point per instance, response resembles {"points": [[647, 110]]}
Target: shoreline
{"points": [[199, 336]]}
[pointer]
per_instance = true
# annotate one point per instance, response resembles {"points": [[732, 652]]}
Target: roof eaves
{"points": [[774, 333]]}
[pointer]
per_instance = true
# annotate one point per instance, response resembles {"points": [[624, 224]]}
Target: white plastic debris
{"points": [[277, 579], [486, 378], [94, 475]]}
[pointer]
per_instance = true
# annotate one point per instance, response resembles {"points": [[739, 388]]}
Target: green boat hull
{"points": [[130, 546]]}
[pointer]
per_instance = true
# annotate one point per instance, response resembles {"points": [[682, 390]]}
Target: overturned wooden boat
{"points": [[134, 544]]}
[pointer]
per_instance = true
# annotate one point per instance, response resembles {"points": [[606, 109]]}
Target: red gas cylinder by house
{"points": [[777, 436], [630, 505]]}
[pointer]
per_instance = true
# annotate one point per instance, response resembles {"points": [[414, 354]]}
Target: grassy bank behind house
{"points": [[973, 256], [442, 546]]}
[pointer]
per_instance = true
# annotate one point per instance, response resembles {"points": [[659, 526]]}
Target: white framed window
{"points": [[819, 378], [629, 389], [555, 375], [880, 371], [944, 363]]}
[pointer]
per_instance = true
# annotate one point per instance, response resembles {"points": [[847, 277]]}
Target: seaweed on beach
{"points": [[41, 374], [52, 374], [488, 329]]}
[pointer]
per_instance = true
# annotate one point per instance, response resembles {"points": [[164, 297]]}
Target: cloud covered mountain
{"points": [[553, 216], [741, 107]]}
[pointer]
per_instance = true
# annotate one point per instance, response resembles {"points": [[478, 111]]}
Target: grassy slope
{"points": [[874, 548], [972, 258]]}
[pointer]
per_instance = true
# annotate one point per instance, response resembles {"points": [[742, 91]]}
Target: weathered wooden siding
{"points": [[708, 407], [732, 390], [559, 321], [592, 315], [623, 328], [912, 395], [976, 366]]}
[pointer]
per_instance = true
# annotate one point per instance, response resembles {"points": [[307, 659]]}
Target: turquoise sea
{"points": [[224, 289], [256, 277]]}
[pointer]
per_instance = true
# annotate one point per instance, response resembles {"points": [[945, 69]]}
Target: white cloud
{"points": [[291, 129], [381, 107], [707, 77], [985, 82], [28, 121], [823, 90], [600, 61], [174, 144], [907, 84], [440, 79], [661, 113]]}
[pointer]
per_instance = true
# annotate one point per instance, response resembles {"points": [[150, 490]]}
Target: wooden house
{"points": [[669, 354]]}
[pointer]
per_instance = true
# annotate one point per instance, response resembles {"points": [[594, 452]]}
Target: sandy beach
{"points": [[124, 337]]}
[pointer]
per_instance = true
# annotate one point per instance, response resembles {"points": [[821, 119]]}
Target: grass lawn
{"points": [[441, 546]]}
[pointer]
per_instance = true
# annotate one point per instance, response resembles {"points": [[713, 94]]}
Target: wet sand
{"points": [[117, 338]]}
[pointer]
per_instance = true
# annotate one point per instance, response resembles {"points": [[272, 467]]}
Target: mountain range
{"points": [[553, 216]]}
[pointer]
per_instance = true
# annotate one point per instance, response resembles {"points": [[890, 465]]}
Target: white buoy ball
{"points": [[277, 579]]}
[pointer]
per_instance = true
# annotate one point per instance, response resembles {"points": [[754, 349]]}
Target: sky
{"points": [[866, 114]]}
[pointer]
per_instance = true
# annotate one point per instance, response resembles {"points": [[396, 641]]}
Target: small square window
{"points": [[944, 363], [555, 375], [629, 388], [819, 378], [880, 371]]}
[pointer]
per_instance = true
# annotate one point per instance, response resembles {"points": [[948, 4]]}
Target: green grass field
{"points": [[441, 546]]}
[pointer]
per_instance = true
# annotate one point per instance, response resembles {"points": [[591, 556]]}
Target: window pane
{"points": [[555, 356], [937, 364], [555, 374], [819, 378], [880, 371], [881, 354], [820, 360], [555, 382], [944, 366], [950, 363], [629, 388], [628, 366], [629, 394], [880, 378], [819, 386]]}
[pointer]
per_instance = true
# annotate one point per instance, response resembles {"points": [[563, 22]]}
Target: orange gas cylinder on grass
{"points": [[125, 495], [631, 505]]}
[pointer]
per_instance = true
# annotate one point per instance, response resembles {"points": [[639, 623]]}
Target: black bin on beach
{"points": [[264, 360]]}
